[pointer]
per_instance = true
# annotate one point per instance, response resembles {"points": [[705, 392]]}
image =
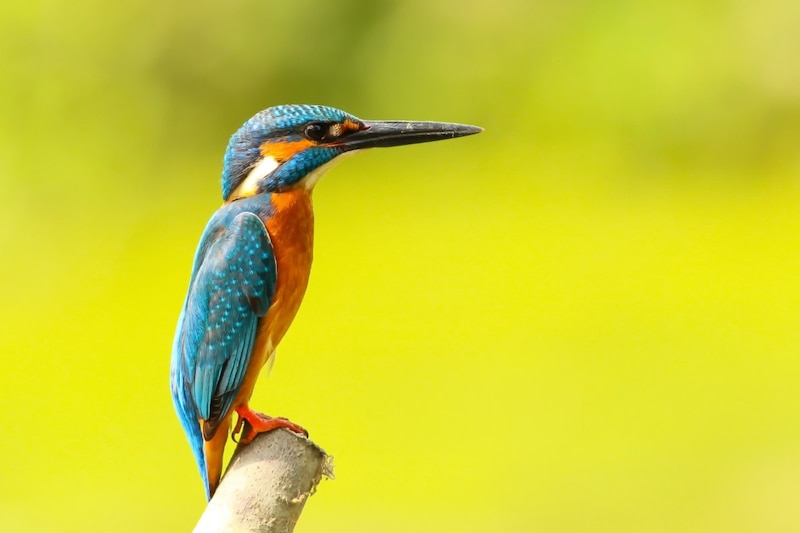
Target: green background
{"points": [[585, 319]]}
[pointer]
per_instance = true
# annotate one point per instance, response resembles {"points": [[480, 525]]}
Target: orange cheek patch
{"points": [[283, 151]]}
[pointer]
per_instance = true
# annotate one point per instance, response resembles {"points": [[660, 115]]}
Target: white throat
{"points": [[315, 175]]}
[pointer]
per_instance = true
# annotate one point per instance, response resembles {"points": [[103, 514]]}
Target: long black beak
{"points": [[386, 133]]}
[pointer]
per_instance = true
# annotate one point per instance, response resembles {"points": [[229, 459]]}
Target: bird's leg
{"points": [[260, 423]]}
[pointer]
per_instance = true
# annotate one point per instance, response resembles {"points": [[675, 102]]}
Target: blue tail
{"points": [[188, 418], [187, 413]]}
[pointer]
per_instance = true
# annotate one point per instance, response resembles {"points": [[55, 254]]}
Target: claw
{"points": [[237, 428], [260, 423]]}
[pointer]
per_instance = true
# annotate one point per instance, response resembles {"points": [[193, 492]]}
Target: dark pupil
{"points": [[315, 132]]}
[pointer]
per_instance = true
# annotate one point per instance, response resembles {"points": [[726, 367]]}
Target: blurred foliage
{"points": [[584, 319]]}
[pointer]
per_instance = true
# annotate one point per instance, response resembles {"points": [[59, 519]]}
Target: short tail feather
{"points": [[188, 417]]}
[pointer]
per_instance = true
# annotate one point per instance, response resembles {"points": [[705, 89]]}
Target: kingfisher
{"points": [[253, 262]]}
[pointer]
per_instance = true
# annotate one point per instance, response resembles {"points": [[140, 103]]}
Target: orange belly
{"points": [[291, 230]]}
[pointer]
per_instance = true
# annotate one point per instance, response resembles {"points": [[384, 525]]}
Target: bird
{"points": [[253, 262]]}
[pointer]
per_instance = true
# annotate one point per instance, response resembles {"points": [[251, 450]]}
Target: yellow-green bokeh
{"points": [[586, 319]]}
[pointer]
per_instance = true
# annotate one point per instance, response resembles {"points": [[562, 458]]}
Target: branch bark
{"points": [[266, 485]]}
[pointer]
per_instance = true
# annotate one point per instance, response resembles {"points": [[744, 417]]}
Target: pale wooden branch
{"points": [[266, 485]]}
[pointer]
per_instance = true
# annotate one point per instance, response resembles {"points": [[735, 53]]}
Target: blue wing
{"points": [[232, 286]]}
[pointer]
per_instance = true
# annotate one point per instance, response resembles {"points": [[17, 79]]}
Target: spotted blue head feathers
{"points": [[289, 145], [281, 145]]}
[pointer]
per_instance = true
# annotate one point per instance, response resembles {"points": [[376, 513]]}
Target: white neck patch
{"points": [[267, 165], [249, 186]]}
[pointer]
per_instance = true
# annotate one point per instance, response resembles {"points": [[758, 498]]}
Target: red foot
{"points": [[260, 423]]}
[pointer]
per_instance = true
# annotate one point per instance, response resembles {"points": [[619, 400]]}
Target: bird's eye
{"points": [[315, 131]]}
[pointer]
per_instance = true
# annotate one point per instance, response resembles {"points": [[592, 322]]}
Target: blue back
{"points": [[231, 287]]}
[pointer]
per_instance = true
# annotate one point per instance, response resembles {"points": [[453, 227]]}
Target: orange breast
{"points": [[291, 229]]}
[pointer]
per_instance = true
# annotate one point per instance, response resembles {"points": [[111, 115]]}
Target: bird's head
{"points": [[291, 146]]}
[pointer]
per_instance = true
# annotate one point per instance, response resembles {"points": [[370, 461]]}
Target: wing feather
{"points": [[233, 288]]}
